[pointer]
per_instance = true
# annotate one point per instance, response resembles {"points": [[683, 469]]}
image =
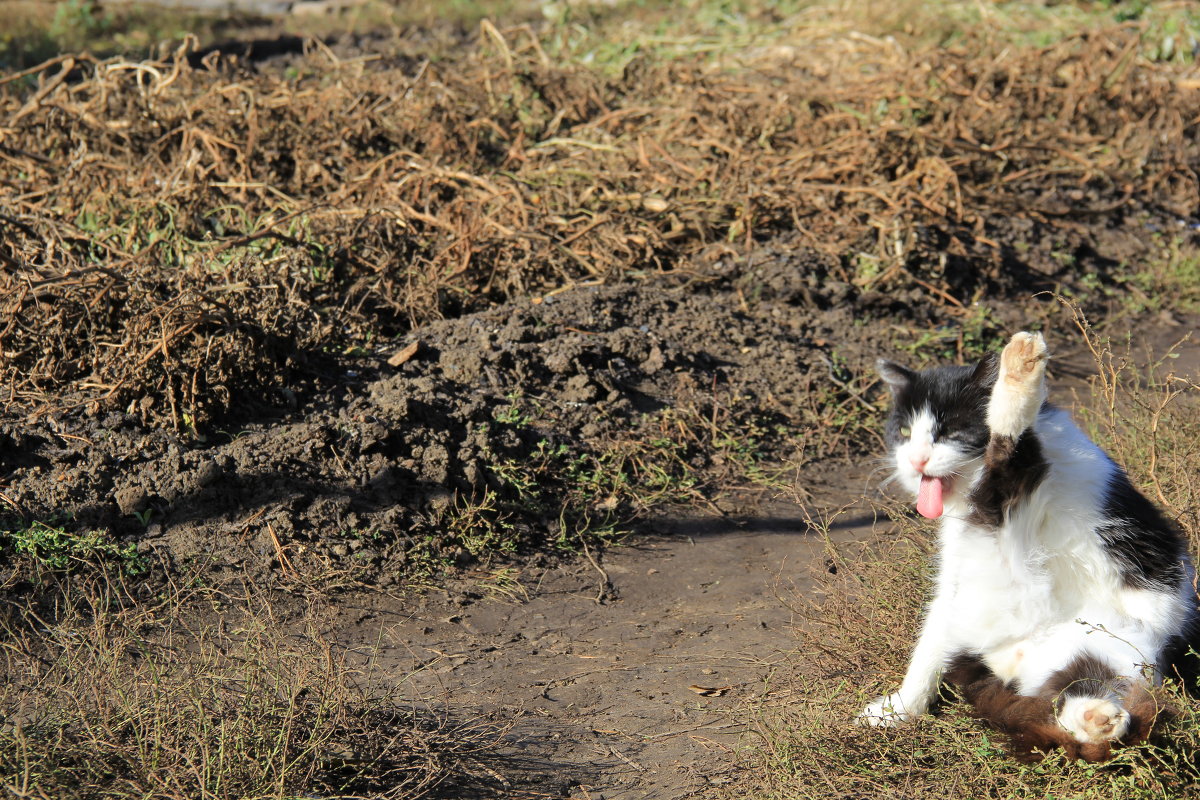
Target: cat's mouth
{"points": [[929, 495]]}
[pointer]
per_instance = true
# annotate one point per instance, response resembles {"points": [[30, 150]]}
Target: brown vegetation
{"points": [[186, 232]]}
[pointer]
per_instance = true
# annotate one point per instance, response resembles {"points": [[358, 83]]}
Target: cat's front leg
{"points": [[1021, 386], [921, 680]]}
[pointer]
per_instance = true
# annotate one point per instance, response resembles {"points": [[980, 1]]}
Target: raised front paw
{"points": [[1023, 362], [885, 712], [1020, 387]]}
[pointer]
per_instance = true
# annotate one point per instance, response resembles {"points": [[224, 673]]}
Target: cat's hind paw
{"points": [[885, 712], [1020, 386], [1092, 720]]}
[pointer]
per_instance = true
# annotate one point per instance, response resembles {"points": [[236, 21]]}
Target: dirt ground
{"points": [[630, 696], [585, 659], [547, 428]]}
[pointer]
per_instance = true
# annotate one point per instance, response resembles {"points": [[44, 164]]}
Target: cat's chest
{"points": [[1015, 572]]}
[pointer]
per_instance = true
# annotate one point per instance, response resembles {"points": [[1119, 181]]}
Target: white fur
{"points": [[1032, 596]]}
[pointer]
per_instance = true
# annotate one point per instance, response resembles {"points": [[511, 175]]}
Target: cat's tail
{"points": [[1084, 709]]}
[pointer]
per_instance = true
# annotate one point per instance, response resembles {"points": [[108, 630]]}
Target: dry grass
{"points": [[203, 696], [178, 235], [858, 628]]}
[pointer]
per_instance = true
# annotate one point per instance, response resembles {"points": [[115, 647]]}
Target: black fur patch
{"points": [[1146, 547], [1180, 659], [1012, 470]]}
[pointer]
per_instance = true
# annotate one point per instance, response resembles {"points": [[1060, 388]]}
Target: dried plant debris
{"points": [[190, 236]]}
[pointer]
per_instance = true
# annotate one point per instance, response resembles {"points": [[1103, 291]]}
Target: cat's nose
{"points": [[919, 463]]}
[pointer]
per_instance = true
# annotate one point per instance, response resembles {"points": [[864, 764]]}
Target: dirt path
{"points": [[597, 693]]}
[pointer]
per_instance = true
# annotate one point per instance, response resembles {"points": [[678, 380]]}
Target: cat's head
{"points": [[937, 429]]}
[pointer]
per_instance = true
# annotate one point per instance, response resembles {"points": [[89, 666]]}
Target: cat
{"points": [[1062, 594]]}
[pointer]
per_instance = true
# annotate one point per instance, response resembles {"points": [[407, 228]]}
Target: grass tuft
{"points": [[186, 699]]}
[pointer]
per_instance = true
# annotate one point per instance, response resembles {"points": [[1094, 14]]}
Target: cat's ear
{"points": [[986, 370], [894, 375]]}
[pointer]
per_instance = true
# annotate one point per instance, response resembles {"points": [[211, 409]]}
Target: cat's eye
{"points": [[905, 431]]}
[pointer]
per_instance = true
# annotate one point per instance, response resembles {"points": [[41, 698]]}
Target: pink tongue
{"points": [[929, 497]]}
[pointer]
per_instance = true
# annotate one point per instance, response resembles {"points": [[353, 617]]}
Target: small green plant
{"points": [[978, 332], [481, 526], [511, 414], [53, 548]]}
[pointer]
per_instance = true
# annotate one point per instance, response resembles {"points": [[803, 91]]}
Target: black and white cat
{"points": [[1061, 591]]}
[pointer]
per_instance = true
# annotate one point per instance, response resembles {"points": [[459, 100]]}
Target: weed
{"points": [[47, 547], [977, 332], [480, 526], [511, 414]]}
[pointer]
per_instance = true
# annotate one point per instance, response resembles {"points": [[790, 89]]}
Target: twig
{"points": [[605, 584], [284, 561]]}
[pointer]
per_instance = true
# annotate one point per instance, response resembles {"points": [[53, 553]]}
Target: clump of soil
{"points": [[528, 424]]}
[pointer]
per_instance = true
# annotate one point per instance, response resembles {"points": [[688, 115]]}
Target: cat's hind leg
{"points": [[1028, 722], [1092, 720], [1020, 387], [1085, 708], [1095, 705]]}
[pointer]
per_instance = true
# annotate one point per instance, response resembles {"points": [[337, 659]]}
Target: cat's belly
{"points": [[994, 607], [1029, 663]]}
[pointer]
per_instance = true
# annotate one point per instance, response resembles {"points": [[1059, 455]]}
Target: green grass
{"points": [[604, 36], [739, 30]]}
